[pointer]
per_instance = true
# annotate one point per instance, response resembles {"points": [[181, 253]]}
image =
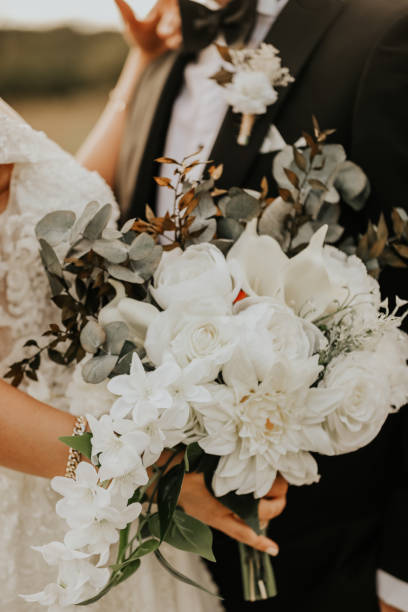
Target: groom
{"points": [[344, 542]]}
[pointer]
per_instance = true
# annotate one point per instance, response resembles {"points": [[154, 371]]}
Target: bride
{"points": [[36, 176]]}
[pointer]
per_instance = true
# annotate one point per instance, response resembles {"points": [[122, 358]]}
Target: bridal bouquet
{"points": [[228, 337]]}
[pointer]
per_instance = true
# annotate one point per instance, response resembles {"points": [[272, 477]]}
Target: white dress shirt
{"points": [[196, 119]]}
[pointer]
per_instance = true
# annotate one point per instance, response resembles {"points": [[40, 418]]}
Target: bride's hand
{"points": [[159, 32], [6, 171], [197, 501]]}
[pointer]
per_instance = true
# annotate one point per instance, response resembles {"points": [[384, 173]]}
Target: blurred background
{"points": [[59, 60]]}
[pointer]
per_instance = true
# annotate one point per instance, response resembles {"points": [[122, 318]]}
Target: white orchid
{"points": [[82, 498], [119, 445], [198, 272], [77, 581], [144, 394], [97, 537]]}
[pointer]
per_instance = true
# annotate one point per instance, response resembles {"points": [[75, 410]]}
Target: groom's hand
{"points": [[386, 608], [159, 32], [5, 178], [197, 501]]}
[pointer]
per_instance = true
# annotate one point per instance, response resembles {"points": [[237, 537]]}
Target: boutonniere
{"points": [[249, 78]]}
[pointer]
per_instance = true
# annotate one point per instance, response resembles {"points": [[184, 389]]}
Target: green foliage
{"points": [[82, 444], [167, 496], [186, 533]]}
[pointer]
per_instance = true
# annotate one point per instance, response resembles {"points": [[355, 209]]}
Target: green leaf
{"points": [[229, 229], [95, 227], [31, 343], [147, 547], [167, 497], [186, 533], [241, 206], [192, 456], [181, 576], [101, 594], [146, 267], [81, 444], [55, 227]]}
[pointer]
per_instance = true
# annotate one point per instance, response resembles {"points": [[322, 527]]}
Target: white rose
{"points": [[197, 272], [193, 332], [270, 330], [352, 284], [364, 399], [250, 93]]}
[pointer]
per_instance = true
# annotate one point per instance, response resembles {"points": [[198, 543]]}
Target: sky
{"points": [[43, 13]]}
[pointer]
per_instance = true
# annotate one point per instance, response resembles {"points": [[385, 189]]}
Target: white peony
{"points": [[360, 379], [199, 271], [197, 332], [250, 92]]}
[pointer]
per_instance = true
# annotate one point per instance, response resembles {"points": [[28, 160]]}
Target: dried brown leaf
{"points": [[300, 159], [223, 50], [292, 177], [216, 171], [163, 181], [166, 160]]}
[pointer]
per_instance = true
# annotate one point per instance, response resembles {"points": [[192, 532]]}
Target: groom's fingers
{"points": [[238, 530], [270, 508]]}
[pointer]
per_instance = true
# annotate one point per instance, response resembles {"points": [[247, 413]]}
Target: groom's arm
{"points": [[380, 145]]}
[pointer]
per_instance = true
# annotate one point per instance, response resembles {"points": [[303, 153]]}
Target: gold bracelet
{"points": [[74, 456]]}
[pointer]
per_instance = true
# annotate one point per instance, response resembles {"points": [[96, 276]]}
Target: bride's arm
{"points": [[149, 39], [29, 432]]}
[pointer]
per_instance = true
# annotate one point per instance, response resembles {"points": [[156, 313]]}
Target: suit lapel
{"points": [[144, 191], [296, 33]]}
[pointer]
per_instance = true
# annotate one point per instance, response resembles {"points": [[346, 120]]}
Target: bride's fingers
{"points": [[279, 488], [270, 508], [238, 530]]}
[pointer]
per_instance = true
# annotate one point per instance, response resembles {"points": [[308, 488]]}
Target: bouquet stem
{"points": [[245, 131], [257, 574]]}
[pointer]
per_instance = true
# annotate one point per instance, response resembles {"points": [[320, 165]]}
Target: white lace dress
{"points": [[46, 178]]}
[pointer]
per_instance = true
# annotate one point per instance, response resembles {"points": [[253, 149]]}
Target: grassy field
{"points": [[67, 118], [58, 80]]}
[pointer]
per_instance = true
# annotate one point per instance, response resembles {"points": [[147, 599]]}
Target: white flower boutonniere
{"points": [[249, 82]]}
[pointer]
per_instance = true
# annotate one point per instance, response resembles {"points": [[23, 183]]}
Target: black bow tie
{"points": [[201, 26]]}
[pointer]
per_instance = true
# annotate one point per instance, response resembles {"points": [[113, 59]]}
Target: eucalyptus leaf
{"points": [[95, 227], [113, 251], [146, 267], [98, 368], [88, 213], [55, 227], [353, 185], [109, 233], [116, 334], [127, 226], [82, 444], [92, 336], [50, 259], [229, 229], [241, 206], [206, 207], [141, 247], [186, 533], [125, 274], [207, 229]]}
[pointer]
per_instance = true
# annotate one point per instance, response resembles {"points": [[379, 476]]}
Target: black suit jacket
{"points": [[350, 61]]}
